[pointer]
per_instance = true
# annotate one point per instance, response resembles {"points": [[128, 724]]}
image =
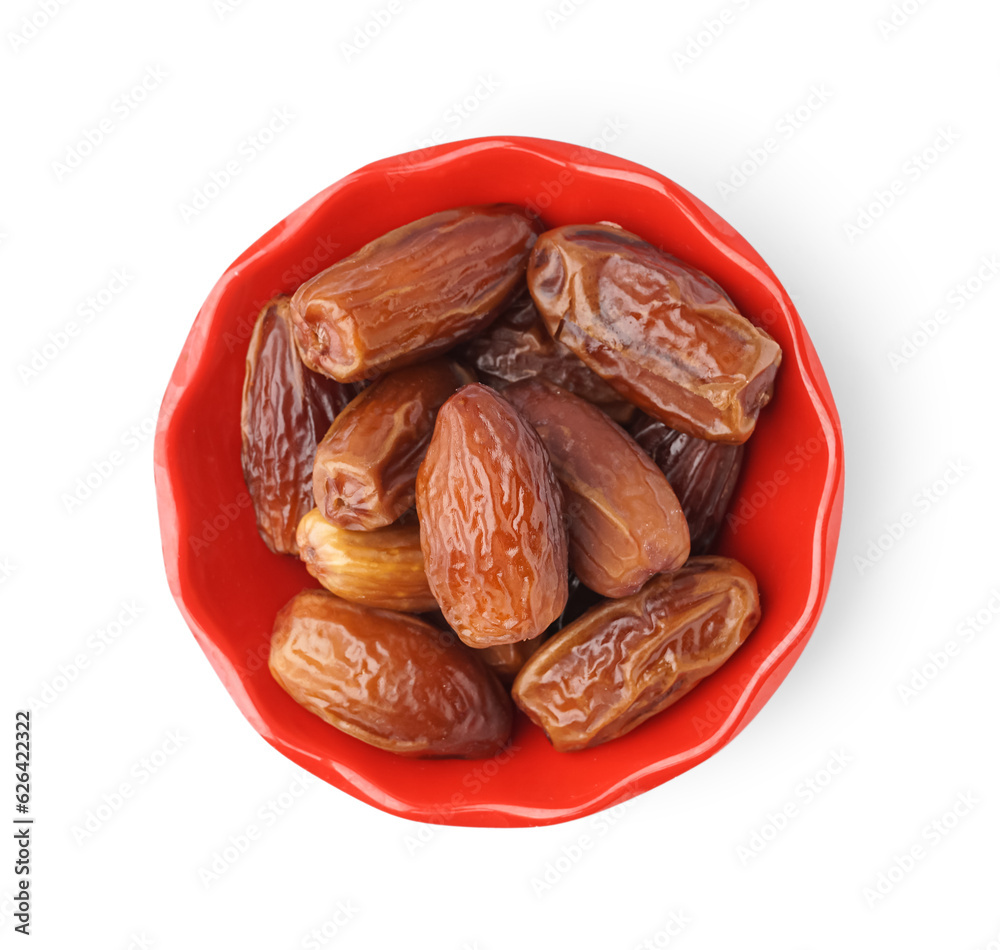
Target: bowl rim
{"points": [[767, 675]]}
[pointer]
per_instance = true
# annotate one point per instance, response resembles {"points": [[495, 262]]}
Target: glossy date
{"points": [[366, 464], [626, 660], [661, 333], [388, 679], [491, 522], [414, 292], [625, 522], [286, 409]]}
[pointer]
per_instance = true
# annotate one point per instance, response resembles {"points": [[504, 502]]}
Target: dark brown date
{"points": [[659, 332], [366, 465], [625, 522], [703, 475], [626, 660], [491, 522], [518, 346], [414, 292], [388, 679], [286, 409]]}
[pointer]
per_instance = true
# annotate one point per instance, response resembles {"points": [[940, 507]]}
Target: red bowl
{"points": [[784, 520]]}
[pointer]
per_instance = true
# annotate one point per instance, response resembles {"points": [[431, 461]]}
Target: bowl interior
{"points": [[783, 522]]}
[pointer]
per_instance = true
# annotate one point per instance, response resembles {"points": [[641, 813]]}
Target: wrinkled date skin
{"points": [[388, 679], [366, 465], [491, 522], [703, 475], [517, 346], [661, 333], [507, 659], [414, 292], [286, 409], [626, 660], [625, 522], [379, 568]]}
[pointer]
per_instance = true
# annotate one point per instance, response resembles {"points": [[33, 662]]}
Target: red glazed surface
{"points": [[229, 586]]}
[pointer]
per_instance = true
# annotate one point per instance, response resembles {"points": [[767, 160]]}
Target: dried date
{"points": [[659, 332], [414, 292], [625, 522], [388, 679], [491, 522], [703, 475], [379, 568], [626, 660], [366, 464], [285, 411]]}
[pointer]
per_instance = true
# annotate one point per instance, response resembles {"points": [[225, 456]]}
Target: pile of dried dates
{"points": [[505, 453]]}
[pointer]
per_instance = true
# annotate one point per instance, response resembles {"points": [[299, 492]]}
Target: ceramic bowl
{"points": [[783, 522]]}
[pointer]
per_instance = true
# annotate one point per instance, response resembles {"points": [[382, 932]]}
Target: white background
{"points": [[914, 103]]}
